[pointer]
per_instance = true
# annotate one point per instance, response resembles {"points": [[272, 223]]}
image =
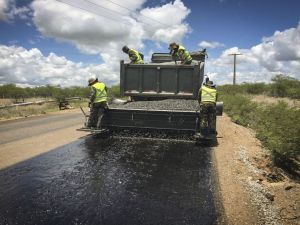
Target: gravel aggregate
{"points": [[168, 104], [268, 213]]}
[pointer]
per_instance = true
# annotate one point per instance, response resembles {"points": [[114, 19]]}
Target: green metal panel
{"points": [[149, 79], [161, 80], [132, 79], [150, 119], [186, 80], [168, 80]]}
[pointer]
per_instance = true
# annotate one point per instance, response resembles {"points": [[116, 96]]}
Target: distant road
{"points": [[25, 138]]}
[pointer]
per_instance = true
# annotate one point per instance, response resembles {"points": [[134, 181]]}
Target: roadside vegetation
{"points": [[277, 125], [281, 86], [51, 95]]}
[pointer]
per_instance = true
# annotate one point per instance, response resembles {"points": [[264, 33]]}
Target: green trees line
{"points": [[281, 86], [12, 91]]}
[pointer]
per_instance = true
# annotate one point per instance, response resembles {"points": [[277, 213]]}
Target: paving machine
{"points": [[163, 78]]}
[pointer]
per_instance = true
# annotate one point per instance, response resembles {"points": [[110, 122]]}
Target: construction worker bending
{"points": [[135, 56], [98, 102], [207, 100], [179, 51]]}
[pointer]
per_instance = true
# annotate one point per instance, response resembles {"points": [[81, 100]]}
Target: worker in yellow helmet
{"points": [[179, 51], [135, 56], [207, 99], [98, 102]]}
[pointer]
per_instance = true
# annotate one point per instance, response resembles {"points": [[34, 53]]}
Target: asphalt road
{"points": [[106, 181], [13, 130]]}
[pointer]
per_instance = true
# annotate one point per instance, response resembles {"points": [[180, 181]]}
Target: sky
{"points": [[65, 42]]}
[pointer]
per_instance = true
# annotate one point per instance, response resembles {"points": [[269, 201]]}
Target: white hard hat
{"points": [[92, 80]]}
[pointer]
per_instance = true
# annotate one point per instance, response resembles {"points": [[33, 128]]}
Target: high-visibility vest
{"points": [[183, 54], [137, 54], [208, 94], [101, 95]]}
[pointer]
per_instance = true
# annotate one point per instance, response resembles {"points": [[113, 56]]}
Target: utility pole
{"points": [[234, 66]]}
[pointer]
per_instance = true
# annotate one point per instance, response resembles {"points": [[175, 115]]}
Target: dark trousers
{"points": [[208, 117], [96, 113]]}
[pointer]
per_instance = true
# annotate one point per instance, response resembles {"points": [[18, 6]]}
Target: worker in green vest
{"points": [[135, 56], [207, 99], [98, 102], [179, 51]]}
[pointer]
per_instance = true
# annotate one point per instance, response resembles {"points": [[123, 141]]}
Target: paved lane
{"points": [[25, 138], [94, 181], [14, 130]]}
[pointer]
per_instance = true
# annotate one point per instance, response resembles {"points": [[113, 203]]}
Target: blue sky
{"points": [[48, 42]]}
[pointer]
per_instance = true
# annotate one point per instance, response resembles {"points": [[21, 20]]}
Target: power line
{"points": [[114, 11], [89, 11], [78, 7], [134, 12]]}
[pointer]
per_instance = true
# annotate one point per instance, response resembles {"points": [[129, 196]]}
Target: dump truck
{"points": [[163, 78]]}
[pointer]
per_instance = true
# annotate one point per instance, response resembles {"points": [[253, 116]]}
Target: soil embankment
{"points": [[252, 191]]}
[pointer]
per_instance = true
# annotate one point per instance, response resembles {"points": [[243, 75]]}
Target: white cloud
{"points": [[166, 22], [92, 33], [23, 12], [213, 44], [9, 11], [277, 54], [30, 67], [3, 9], [104, 31]]}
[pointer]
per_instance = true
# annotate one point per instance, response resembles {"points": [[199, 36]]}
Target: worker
{"points": [[135, 56], [207, 101], [179, 51], [98, 102]]}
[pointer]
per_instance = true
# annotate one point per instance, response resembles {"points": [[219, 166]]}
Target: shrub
{"points": [[277, 126], [239, 108], [285, 86], [114, 91], [281, 86], [255, 88], [279, 130]]}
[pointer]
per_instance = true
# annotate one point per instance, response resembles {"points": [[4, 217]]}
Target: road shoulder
{"points": [[248, 196]]}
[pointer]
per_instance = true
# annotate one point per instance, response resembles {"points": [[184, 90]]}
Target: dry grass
{"points": [[272, 100], [25, 111], [10, 101], [6, 101]]}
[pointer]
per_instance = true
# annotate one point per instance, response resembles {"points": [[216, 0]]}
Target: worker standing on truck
{"points": [[179, 51], [207, 100], [135, 56], [98, 102]]}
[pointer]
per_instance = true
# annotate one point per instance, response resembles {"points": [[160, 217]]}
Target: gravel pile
{"points": [[268, 213], [168, 104]]}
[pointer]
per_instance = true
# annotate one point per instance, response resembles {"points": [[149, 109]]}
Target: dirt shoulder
{"points": [[252, 192]]}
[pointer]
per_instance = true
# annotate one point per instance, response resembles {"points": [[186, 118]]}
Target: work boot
{"points": [[198, 135]]}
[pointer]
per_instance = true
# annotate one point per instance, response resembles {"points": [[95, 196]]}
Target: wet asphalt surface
{"points": [[112, 181]]}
